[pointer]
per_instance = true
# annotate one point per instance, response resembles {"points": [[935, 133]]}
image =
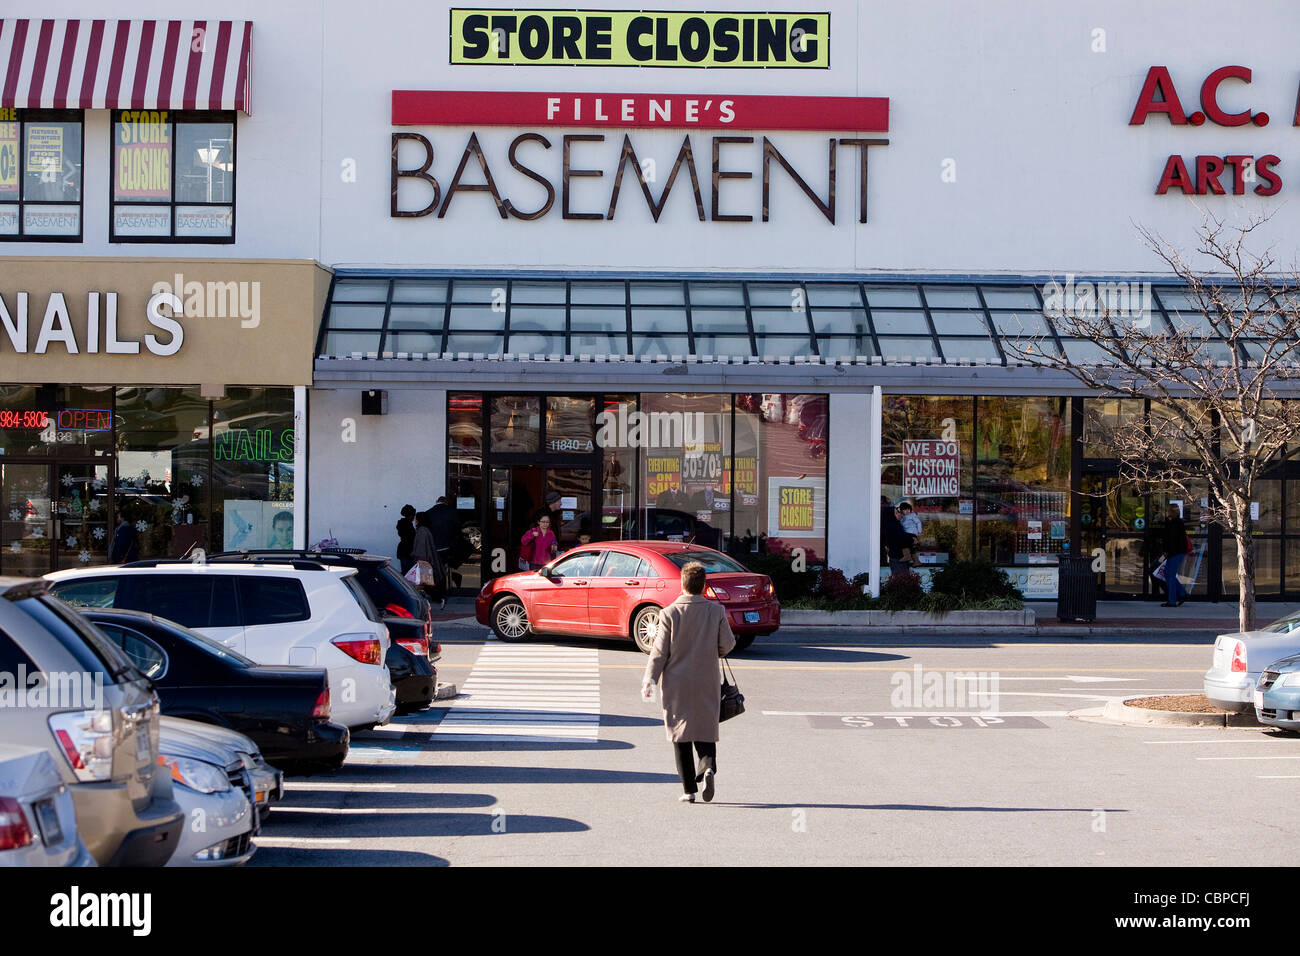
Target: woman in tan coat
{"points": [[693, 634]]}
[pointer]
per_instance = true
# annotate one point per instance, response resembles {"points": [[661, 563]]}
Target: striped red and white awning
{"points": [[126, 64]]}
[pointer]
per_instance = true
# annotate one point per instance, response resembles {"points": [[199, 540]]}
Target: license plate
{"points": [[751, 617], [142, 743], [47, 818], [1259, 700]]}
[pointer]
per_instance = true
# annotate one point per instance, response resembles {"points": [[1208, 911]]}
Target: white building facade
{"points": [[720, 273]]}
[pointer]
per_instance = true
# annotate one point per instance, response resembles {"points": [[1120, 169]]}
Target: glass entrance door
{"points": [[519, 495], [1113, 517], [55, 515], [82, 534], [27, 528]]}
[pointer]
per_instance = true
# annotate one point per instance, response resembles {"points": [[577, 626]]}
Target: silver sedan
{"points": [[1240, 658]]}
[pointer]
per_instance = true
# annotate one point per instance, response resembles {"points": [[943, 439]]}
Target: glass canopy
{"points": [[395, 315]]}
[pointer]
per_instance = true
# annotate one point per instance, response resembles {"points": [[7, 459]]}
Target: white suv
{"points": [[293, 613]]}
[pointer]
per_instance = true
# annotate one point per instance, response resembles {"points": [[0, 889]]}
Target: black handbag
{"points": [[733, 701]]}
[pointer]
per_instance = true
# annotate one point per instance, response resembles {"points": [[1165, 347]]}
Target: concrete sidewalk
{"points": [[1114, 619]]}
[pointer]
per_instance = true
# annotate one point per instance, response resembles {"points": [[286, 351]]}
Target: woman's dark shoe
{"points": [[1167, 604], [708, 786]]}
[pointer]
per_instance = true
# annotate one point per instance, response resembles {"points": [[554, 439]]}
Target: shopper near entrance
{"points": [[423, 549], [894, 538], [405, 537], [1177, 545], [538, 545], [445, 526], [693, 635], [126, 541]]}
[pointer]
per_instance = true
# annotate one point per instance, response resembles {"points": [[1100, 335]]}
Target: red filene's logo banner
{"points": [[864, 114]]}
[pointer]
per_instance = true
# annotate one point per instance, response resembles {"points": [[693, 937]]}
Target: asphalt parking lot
{"points": [[843, 757]]}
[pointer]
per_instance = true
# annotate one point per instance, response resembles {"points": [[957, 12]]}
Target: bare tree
{"points": [[1218, 376]]}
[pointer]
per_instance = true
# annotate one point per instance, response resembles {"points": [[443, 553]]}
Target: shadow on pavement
{"points": [[341, 856], [307, 822], [312, 799], [440, 744], [906, 806], [465, 774], [834, 652]]}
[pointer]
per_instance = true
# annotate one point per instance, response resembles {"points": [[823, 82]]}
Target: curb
{"points": [[908, 620], [1118, 711]]}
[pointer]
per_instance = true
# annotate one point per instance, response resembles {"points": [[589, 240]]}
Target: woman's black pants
{"points": [[708, 751]]}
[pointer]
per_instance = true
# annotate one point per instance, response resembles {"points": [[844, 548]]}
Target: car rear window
{"points": [[12, 657], [272, 600], [93, 653], [385, 586], [148, 657], [358, 592], [619, 564], [184, 598], [714, 563], [86, 592]]}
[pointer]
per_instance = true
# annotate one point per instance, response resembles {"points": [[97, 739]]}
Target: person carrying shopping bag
{"points": [[432, 577], [693, 635], [538, 545]]}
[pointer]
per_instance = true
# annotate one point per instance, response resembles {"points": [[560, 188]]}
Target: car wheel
{"points": [[510, 620], [645, 628], [743, 641]]}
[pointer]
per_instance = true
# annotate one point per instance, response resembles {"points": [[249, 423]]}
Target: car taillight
{"points": [[363, 649], [322, 708], [1239, 658], [14, 831], [716, 591], [416, 645], [87, 739], [398, 611]]}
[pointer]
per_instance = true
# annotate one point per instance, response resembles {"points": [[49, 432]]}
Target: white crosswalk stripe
{"points": [[520, 692]]}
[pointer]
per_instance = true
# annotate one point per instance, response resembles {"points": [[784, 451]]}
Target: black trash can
{"points": [[1076, 594]]}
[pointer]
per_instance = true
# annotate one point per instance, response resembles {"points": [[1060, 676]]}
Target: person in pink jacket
{"points": [[538, 544]]}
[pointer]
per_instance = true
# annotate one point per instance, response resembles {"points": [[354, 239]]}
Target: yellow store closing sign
{"points": [[142, 169], [8, 159], [640, 38]]}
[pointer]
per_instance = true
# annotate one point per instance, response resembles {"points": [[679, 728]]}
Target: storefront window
{"points": [[926, 461], [570, 425], [1099, 416], [252, 442], [516, 423], [40, 175], [64, 421], [162, 468], [465, 476], [618, 468], [778, 470], [683, 481], [1023, 476], [173, 176]]}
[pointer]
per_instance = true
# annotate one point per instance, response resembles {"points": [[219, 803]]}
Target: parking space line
{"points": [[1266, 757]]}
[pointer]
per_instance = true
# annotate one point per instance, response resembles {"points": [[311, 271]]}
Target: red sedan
{"points": [[616, 588]]}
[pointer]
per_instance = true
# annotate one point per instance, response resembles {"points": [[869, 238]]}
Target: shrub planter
{"points": [[907, 620]]}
